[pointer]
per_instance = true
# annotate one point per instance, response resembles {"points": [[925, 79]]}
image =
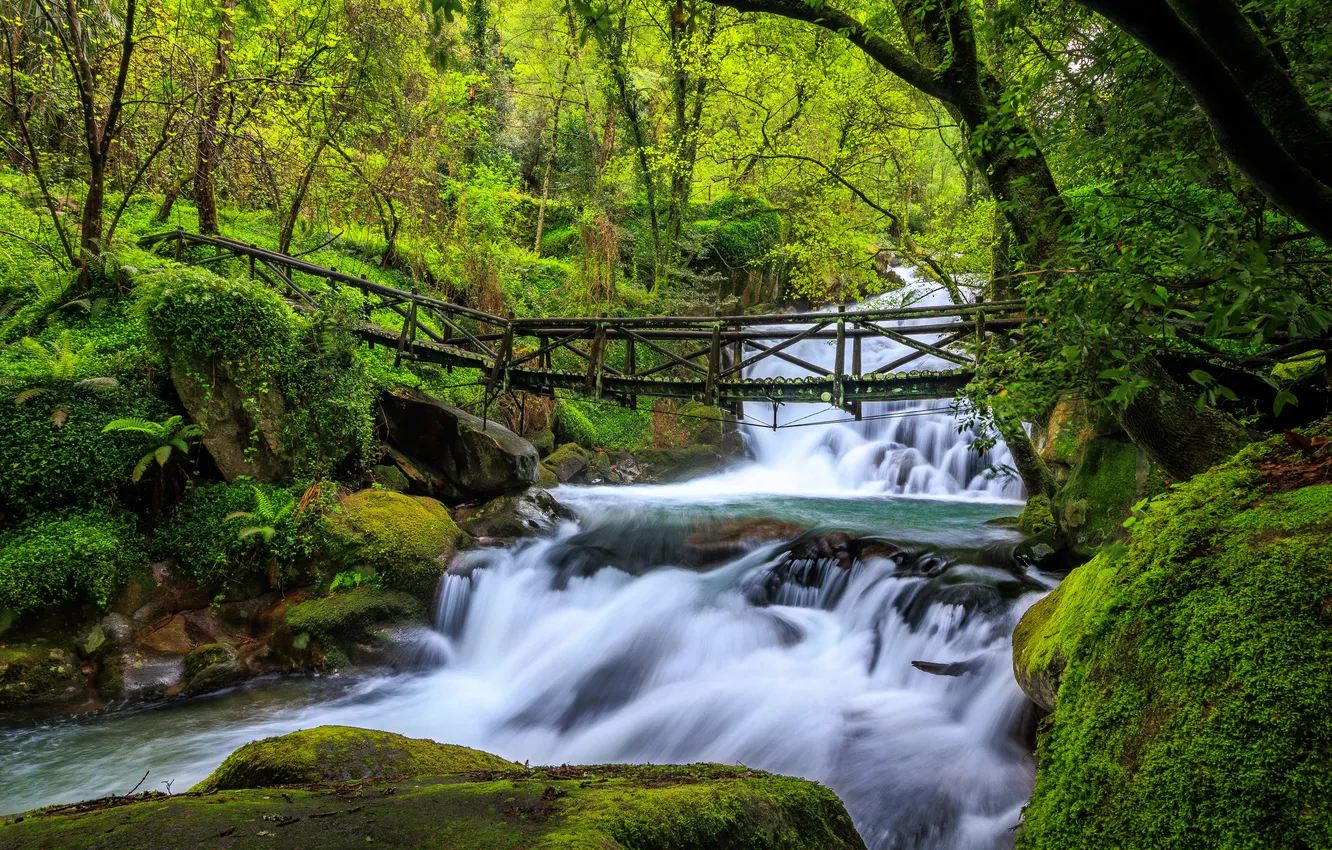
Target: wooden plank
{"points": [[902, 361], [696, 353], [857, 405], [630, 370], [596, 357], [839, 360], [739, 367], [925, 347], [547, 347], [657, 348]]}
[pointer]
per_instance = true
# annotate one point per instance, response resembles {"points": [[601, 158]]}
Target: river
{"points": [[682, 623]]}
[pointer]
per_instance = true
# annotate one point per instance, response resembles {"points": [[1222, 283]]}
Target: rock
{"points": [[242, 425], [91, 641], [601, 469], [170, 637], [532, 511], [1187, 671], [340, 754], [1037, 520], [403, 792], [340, 621], [390, 478], [667, 466], [409, 540], [1111, 476], [954, 668], [36, 672], [568, 461], [213, 666], [543, 441], [547, 479], [469, 458], [136, 674]]}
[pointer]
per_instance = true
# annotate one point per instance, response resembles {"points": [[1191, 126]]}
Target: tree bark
{"points": [[298, 200], [205, 196], [1165, 422]]}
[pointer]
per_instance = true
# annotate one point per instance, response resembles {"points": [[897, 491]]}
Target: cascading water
{"points": [[899, 448], [747, 617]]}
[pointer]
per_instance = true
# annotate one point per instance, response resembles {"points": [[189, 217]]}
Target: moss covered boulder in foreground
{"points": [[1188, 671], [342, 754], [718, 807]]}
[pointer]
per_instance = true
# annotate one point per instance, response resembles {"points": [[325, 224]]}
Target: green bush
{"points": [[559, 242], [741, 230], [604, 425], [210, 548], [66, 556], [43, 466], [194, 314]]}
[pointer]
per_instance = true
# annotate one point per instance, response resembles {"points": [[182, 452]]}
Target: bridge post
{"points": [[855, 370], [714, 366], [505, 355], [839, 364], [592, 386], [630, 369], [408, 329]]}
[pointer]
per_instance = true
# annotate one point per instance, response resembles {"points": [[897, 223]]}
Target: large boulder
{"points": [[1187, 669], [452, 454], [241, 424], [338, 754], [37, 671], [350, 623], [407, 540], [344, 787]]}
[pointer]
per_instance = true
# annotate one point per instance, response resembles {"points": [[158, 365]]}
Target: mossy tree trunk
{"points": [[1164, 420]]}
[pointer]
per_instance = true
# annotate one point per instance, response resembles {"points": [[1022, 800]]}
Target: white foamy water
{"points": [[616, 641]]}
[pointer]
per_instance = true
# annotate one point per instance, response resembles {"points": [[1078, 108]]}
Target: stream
{"points": [[689, 622]]}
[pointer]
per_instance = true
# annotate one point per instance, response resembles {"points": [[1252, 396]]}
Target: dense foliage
{"points": [[67, 556]]}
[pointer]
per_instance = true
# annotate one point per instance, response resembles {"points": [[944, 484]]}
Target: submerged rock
{"points": [[338, 754], [362, 787], [456, 455], [533, 511], [1188, 672], [568, 461], [338, 623], [213, 666]]}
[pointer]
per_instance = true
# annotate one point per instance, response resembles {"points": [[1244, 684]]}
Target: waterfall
{"points": [[899, 448]]}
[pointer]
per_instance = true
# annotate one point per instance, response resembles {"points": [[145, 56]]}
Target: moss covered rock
{"points": [[532, 511], [352, 615], [547, 479], [543, 441], [610, 807], [213, 666], [342, 754], [1188, 671], [1037, 519], [1111, 476], [32, 672], [409, 540], [568, 461]]}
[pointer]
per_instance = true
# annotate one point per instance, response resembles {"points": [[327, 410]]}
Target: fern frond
{"points": [[135, 424], [28, 395], [141, 467], [238, 515], [99, 384], [163, 454]]}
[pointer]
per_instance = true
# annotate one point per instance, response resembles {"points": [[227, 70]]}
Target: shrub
{"points": [[43, 466], [210, 548], [66, 556], [603, 425], [193, 314]]}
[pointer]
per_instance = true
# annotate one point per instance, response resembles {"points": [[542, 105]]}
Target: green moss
{"points": [[613, 807], [350, 616], [543, 441], [546, 478], [1191, 710], [66, 556], [1110, 478], [390, 478], [595, 425], [36, 671], [703, 424], [341, 754], [1301, 366], [1036, 518], [406, 539]]}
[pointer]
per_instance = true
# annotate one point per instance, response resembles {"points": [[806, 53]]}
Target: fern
{"points": [[170, 435]]}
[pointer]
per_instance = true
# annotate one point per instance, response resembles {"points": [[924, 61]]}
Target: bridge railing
{"points": [[627, 357]]}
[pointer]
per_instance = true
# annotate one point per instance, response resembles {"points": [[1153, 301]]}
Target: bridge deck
{"points": [[682, 357]]}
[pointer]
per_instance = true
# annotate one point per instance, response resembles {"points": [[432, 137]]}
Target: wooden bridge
{"points": [[683, 357]]}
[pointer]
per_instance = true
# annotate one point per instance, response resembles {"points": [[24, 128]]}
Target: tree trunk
{"points": [[1165, 422], [298, 200], [206, 154], [1036, 476], [550, 160], [90, 227]]}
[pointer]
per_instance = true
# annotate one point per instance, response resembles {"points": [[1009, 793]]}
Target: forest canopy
{"points": [[1150, 177]]}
